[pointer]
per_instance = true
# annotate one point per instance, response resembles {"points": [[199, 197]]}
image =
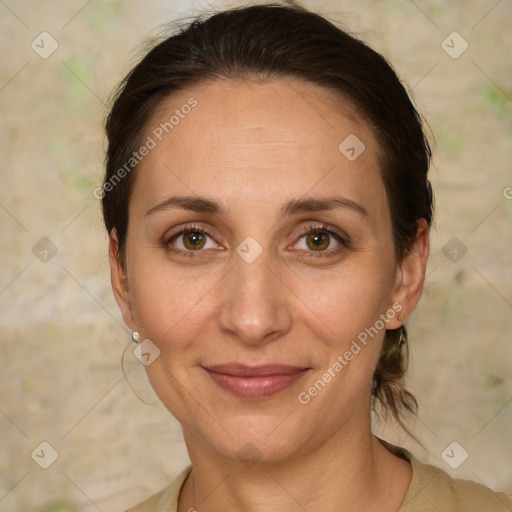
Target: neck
{"points": [[350, 472]]}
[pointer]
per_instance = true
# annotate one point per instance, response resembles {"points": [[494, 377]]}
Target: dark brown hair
{"points": [[272, 42]]}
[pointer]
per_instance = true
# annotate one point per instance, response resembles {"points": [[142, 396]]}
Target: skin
{"points": [[252, 147]]}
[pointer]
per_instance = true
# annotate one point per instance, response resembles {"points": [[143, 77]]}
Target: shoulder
{"points": [[432, 489], [167, 499]]}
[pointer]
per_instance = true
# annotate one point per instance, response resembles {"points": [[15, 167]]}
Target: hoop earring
{"points": [[138, 381], [403, 338]]}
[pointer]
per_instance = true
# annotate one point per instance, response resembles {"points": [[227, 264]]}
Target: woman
{"points": [[268, 207]]}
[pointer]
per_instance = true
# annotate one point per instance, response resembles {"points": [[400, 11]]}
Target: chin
{"points": [[260, 448], [270, 438], [247, 438]]}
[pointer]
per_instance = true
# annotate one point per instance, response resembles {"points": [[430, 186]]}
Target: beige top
{"points": [[430, 490]]}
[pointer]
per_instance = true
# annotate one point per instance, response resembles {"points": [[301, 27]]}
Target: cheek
{"points": [[348, 326], [341, 303], [347, 334], [169, 305], [177, 307]]}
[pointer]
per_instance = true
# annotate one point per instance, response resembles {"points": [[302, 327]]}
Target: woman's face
{"points": [[267, 334]]}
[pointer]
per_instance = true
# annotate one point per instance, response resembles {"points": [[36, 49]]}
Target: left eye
{"points": [[318, 240]]}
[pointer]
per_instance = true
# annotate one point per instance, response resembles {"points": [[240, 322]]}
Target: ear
{"points": [[411, 275], [119, 281]]}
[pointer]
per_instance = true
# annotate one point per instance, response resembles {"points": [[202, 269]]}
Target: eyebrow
{"points": [[204, 205]]}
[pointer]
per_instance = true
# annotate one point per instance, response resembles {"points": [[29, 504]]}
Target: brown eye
{"points": [[321, 241], [194, 240], [191, 240], [318, 241]]}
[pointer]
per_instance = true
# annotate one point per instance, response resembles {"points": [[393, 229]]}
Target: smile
{"points": [[255, 382]]}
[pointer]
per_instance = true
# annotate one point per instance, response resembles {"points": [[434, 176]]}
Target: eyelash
{"points": [[192, 228]]}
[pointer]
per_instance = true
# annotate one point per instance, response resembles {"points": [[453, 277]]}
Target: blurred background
{"points": [[74, 434]]}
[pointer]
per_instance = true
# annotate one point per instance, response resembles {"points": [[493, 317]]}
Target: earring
{"points": [[403, 338], [400, 317], [135, 375]]}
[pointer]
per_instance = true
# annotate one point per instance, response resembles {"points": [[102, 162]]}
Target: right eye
{"points": [[190, 240]]}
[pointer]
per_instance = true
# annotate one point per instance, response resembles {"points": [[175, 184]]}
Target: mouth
{"points": [[253, 382]]}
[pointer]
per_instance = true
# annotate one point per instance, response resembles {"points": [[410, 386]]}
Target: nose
{"points": [[256, 303]]}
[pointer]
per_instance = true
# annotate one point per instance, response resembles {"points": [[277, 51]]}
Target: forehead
{"points": [[254, 141]]}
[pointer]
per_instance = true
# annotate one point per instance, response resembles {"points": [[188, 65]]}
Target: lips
{"points": [[253, 382]]}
